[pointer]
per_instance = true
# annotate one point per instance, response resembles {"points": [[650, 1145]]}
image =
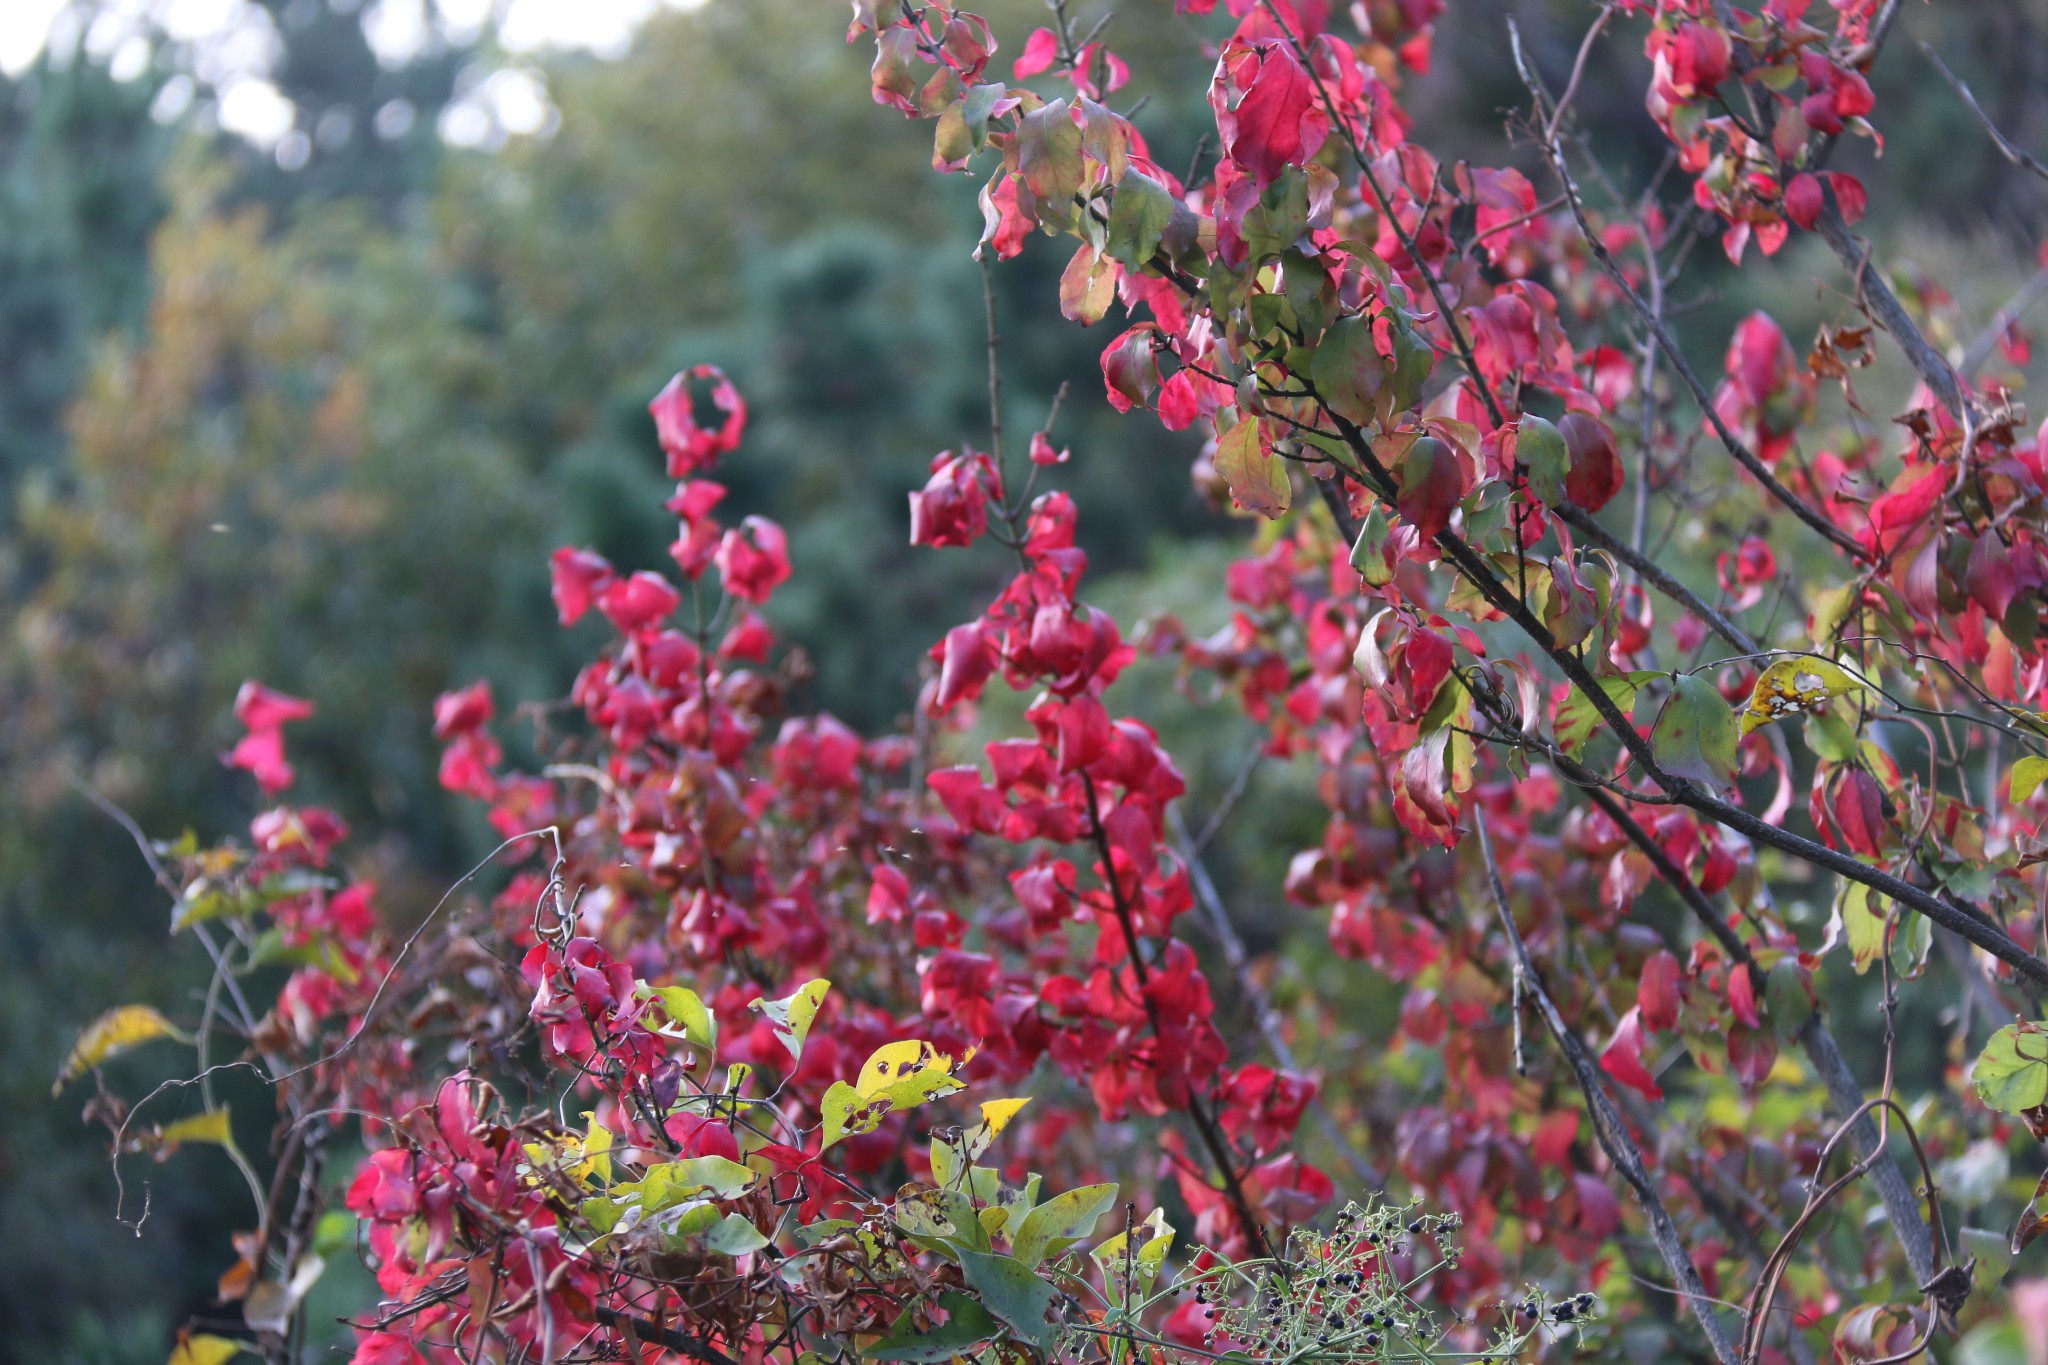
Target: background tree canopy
{"points": [[313, 416]]}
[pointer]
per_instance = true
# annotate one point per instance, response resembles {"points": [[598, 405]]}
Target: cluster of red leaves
{"points": [[1296, 305]]}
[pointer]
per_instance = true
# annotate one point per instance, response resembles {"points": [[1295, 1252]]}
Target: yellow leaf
{"points": [[995, 1116], [110, 1035], [894, 1063], [1794, 686], [791, 1016], [210, 1127], [2027, 776], [204, 1350], [597, 1149]]}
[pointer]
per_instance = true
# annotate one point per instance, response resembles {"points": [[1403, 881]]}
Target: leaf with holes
{"points": [[1059, 1222]]}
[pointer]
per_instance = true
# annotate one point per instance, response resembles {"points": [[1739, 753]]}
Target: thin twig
{"points": [[1269, 1020], [1608, 1125], [2007, 148]]}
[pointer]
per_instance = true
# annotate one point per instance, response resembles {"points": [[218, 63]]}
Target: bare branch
{"points": [[1608, 1125], [2006, 147]]}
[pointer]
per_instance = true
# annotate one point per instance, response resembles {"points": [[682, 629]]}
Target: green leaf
{"points": [[669, 1183], [1695, 735], [1788, 996], [1414, 362], [1369, 552], [1115, 1258], [334, 1234], [967, 1325], [1540, 446], [1992, 1254], [1348, 370], [1139, 214], [686, 1011], [1060, 1221], [1258, 480], [735, 1235], [1830, 609], [791, 1016], [1009, 1290], [1912, 940], [1049, 157], [2027, 776], [2011, 1074], [1578, 719], [1831, 737]]}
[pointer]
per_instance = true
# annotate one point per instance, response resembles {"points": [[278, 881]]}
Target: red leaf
{"points": [[1432, 485], [1130, 368], [1803, 199], [1041, 50], [690, 447], [1595, 475], [1752, 1052], [1858, 810], [260, 708], [1623, 1058], [1850, 196], [1993, 581], [630, 603], [1742, 995], [1275, 122], [576, 578], [1657, 993]]}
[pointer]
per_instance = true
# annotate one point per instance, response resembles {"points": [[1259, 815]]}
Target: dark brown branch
{"points": [[1977, 928], [1205, 1123], [668, 1338], [1584, 523], [1608, 1125], [1886, 311], [1814, 1039]]}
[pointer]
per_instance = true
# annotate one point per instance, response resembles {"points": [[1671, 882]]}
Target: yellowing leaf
{"points": [[892, 1063], [204, 1350], [110, 1035], [2027, 776], [689, 1019], [995, 1116], [1794, 686], [897, 1076], [1863, 925], [211, 1127], [577, 1158], [1257, 478], [792, 1015]]}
